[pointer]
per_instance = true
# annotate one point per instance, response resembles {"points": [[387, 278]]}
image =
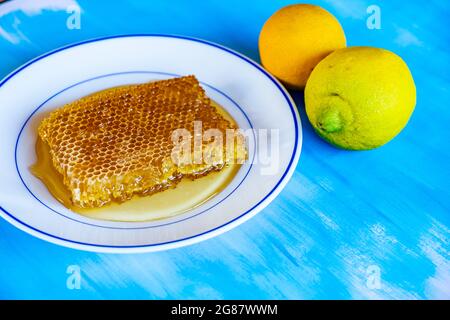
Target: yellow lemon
{"points": [[360, 97], [295, 38]]}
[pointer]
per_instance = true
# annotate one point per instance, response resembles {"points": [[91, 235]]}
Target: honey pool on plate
{"points": [[187, 194]]}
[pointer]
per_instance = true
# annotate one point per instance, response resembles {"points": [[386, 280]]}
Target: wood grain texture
{"points": [[342, 213]]}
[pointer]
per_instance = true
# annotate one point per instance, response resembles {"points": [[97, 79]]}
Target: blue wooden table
{"points": [[373, 224]]}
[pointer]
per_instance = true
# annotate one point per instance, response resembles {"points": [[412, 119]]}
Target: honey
{"points": [[118, 143], [184, 194]]}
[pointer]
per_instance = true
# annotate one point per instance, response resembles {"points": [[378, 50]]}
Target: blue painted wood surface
{"points": [[343, 217]]}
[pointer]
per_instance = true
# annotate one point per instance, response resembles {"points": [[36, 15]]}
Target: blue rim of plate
{"points": [[234, 53], [130, 228]]}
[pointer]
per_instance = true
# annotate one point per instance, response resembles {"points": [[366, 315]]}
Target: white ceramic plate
{"points": [[252, 96]]}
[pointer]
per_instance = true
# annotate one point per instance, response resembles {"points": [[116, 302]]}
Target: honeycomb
{"points": [[117, 143]]}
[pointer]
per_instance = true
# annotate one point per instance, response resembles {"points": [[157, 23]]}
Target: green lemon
{"points": [[359, 98]]}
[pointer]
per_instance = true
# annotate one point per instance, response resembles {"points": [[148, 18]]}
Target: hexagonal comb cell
{"points": [[117, 143]]}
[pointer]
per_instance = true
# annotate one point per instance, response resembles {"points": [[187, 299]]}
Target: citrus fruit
{"points": [[360, 97], [295, 38]]}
